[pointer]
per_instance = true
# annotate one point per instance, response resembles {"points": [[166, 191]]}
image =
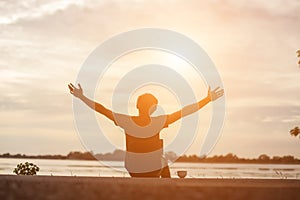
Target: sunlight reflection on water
{"points": [[195, 170]]}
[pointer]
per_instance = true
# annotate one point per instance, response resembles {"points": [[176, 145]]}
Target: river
{"points": [[195, 170]]}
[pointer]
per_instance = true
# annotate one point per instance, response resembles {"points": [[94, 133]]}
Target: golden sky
{"points": [[252, 43]]}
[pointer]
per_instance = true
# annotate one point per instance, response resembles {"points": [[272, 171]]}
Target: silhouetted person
{"points": [[144, 148]]}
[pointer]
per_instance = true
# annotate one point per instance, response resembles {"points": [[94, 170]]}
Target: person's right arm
{"points": [[78, 92]]}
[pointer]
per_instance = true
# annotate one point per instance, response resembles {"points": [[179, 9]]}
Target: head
{"points": [[146, 103]]}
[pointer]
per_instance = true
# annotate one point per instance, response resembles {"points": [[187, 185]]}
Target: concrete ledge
{"points": [[90, 188]]}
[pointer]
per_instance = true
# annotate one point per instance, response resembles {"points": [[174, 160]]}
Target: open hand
{"points": [[215, 94], [77, 92]]}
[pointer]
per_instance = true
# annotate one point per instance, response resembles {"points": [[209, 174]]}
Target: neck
{"points": [[144, 114]]}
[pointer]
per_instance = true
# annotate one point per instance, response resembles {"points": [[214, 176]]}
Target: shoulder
{"points": [[121, 119], [161, 119]]}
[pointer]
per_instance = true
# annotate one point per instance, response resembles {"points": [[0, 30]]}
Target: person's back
{"points": [[143, 141], [136, 146], [144, 148]]}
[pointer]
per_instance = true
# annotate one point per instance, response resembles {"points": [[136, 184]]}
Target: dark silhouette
{"points": [[295, 131], [26, 169], [231, 158], [143, 144], [119, 155]]}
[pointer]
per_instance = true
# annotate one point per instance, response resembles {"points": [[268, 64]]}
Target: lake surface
{"points": [[195, 170]]}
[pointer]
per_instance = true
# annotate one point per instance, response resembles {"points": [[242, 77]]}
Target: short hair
{"points": [[147, 100]]}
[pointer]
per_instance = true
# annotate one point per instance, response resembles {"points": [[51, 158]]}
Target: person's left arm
{"points": [[187, 110]]}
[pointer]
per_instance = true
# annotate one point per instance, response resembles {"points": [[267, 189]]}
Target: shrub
{"points": [[26, 169]]}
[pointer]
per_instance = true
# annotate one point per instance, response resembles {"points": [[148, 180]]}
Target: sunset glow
{"points": [[253, 45]]}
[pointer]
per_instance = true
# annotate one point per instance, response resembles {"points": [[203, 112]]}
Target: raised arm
{"points": [[187, 110], [78, 92]]}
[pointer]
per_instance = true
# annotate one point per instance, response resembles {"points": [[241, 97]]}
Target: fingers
{"points": [[217, 93], [220, 93], [216, 89], [71, 88], [75, 91], [72, 85]]}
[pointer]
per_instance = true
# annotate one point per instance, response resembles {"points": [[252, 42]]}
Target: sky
{"points": [[253, 45]]}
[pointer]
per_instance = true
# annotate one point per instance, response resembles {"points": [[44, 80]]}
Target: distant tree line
{"points": [[8, 155], [231, 158], [119, 155]]}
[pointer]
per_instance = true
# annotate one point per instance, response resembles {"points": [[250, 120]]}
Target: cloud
{"points": [[44, 43], [13, 11]]}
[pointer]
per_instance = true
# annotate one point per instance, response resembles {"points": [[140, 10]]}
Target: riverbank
{"points": [[65, 188]]}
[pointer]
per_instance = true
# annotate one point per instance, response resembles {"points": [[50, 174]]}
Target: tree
{"points": [[295, 131], [264, 157]]}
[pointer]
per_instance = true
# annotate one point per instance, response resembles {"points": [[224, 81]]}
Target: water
{"points": [[195, 170]]}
